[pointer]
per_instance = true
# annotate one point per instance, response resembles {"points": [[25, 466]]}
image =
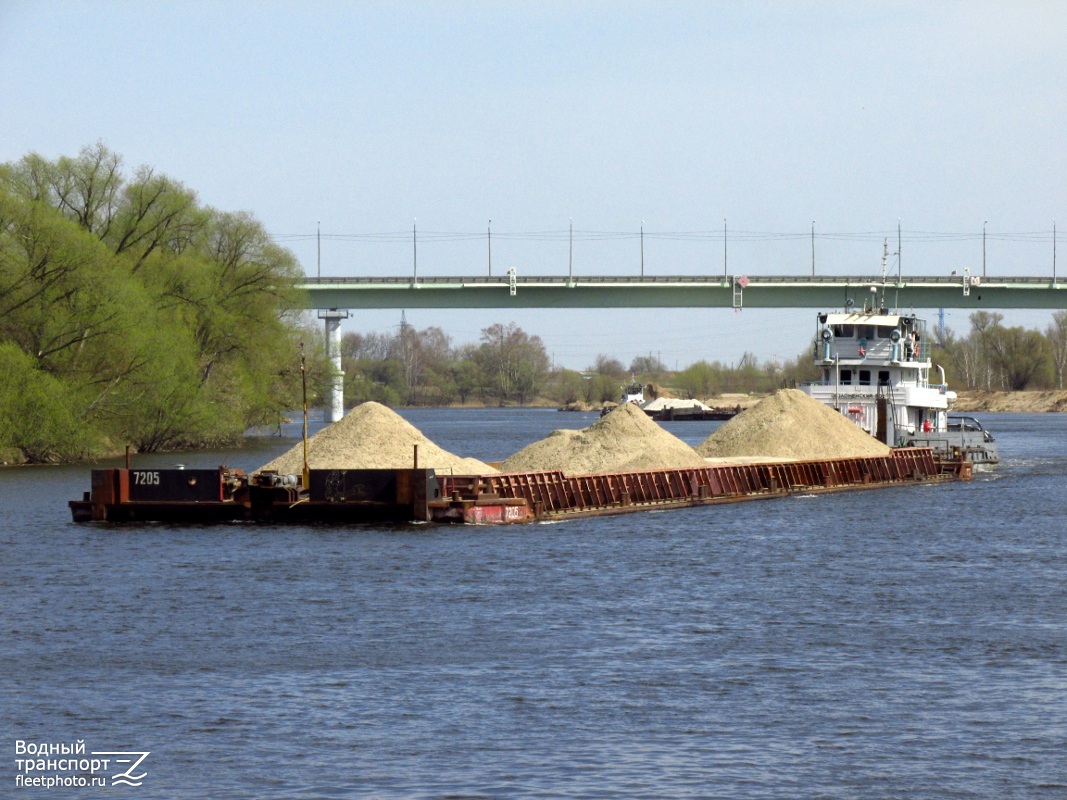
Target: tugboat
{"points": [[633, 392], [876, 371]]}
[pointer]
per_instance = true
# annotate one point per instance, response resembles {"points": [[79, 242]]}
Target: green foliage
{"points": [[467, 377], [36, 412], [568, 387], [993, 356], [515, 364], [601, 389], [159, 323], [699, 380]]}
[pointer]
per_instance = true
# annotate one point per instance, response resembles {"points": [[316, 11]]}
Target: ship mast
{"points": [[885, 256]]}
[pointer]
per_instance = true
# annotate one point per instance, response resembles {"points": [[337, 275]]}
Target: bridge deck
{"points": [[683, 291]]}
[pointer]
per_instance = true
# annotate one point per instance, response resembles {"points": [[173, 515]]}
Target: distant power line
{"points": [[734, 235]]}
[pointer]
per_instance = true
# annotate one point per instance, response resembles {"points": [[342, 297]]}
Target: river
{"points": [[901, 643]]}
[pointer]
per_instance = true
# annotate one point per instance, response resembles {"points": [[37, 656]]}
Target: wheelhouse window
{"points": [[883, 377], [865, 377], [844, 331], [846, 376]]}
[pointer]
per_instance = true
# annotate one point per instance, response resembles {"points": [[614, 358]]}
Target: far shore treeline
{"points": [[132, 315], [507, 366]]}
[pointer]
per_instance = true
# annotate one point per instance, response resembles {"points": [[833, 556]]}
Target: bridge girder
{"points": [[824, 292]]}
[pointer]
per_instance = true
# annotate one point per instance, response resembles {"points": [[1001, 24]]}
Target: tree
{"points": [[601, 389], [1022, 356], [649, 366], [568, 385], [983, 324], [164, 324], [36, 415], [155, 213], [1056, 333], [85, 189], [608, 366], [698, 380], [514, 364], [467, 374]]}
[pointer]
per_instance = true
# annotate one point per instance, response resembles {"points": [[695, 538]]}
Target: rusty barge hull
{"points": [[420, 495]]}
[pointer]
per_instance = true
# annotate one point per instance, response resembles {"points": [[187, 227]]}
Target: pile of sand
{"points": [[663, 403], [790, 424], [371, 436], [626, 439]]}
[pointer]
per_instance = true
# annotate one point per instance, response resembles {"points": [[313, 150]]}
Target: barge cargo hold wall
{"points": [[551, 494], [407, 495]]}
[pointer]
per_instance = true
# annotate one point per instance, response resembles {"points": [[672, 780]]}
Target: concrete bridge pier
{"points": [[335, 400]]}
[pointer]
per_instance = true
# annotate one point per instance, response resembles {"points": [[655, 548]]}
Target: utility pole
{"points": [[724, 272], [414, 250], [318, 245], [570, 252], [983, 247], [489, 236], [642, 248], [813, 248]]}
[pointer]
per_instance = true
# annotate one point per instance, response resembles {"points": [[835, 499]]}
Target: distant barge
{"points": [[420, 495]]}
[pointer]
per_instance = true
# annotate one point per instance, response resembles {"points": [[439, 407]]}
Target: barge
{"points": [[669, 409], [421, 495]]}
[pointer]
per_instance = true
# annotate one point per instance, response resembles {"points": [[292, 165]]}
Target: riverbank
{"points": [[1026, 402]]}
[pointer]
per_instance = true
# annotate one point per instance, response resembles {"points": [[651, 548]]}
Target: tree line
{"points": [[132, 314], [509, 366], [994, 356]]}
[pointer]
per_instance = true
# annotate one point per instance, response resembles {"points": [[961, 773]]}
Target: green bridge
{"points": [[686, 291]]}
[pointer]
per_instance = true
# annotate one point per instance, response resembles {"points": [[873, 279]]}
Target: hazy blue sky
{"points": [[366, 116]]}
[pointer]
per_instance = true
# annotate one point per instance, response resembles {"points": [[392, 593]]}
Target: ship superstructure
{"points": [[876, 370]]}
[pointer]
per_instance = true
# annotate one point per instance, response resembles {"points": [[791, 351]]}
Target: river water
{"points": [[899, 643]]}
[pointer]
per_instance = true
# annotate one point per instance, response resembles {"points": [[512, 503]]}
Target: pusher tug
{"points": [[876, 371]]}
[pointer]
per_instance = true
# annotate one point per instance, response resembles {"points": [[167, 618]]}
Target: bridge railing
{"points": [[874, 280]]}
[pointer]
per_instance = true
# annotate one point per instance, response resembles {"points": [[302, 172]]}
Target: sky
{"points": [[369, 123]]}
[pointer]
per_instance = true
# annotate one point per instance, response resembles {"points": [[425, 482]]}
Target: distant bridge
{"points": [[334, 297], [685, 291]]}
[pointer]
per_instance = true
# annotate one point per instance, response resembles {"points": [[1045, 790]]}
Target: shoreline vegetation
{"points": [[969, 402]]}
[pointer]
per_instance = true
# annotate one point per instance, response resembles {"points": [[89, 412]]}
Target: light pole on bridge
{"points": [[813, 248], [642, 248], [983, 247]]}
